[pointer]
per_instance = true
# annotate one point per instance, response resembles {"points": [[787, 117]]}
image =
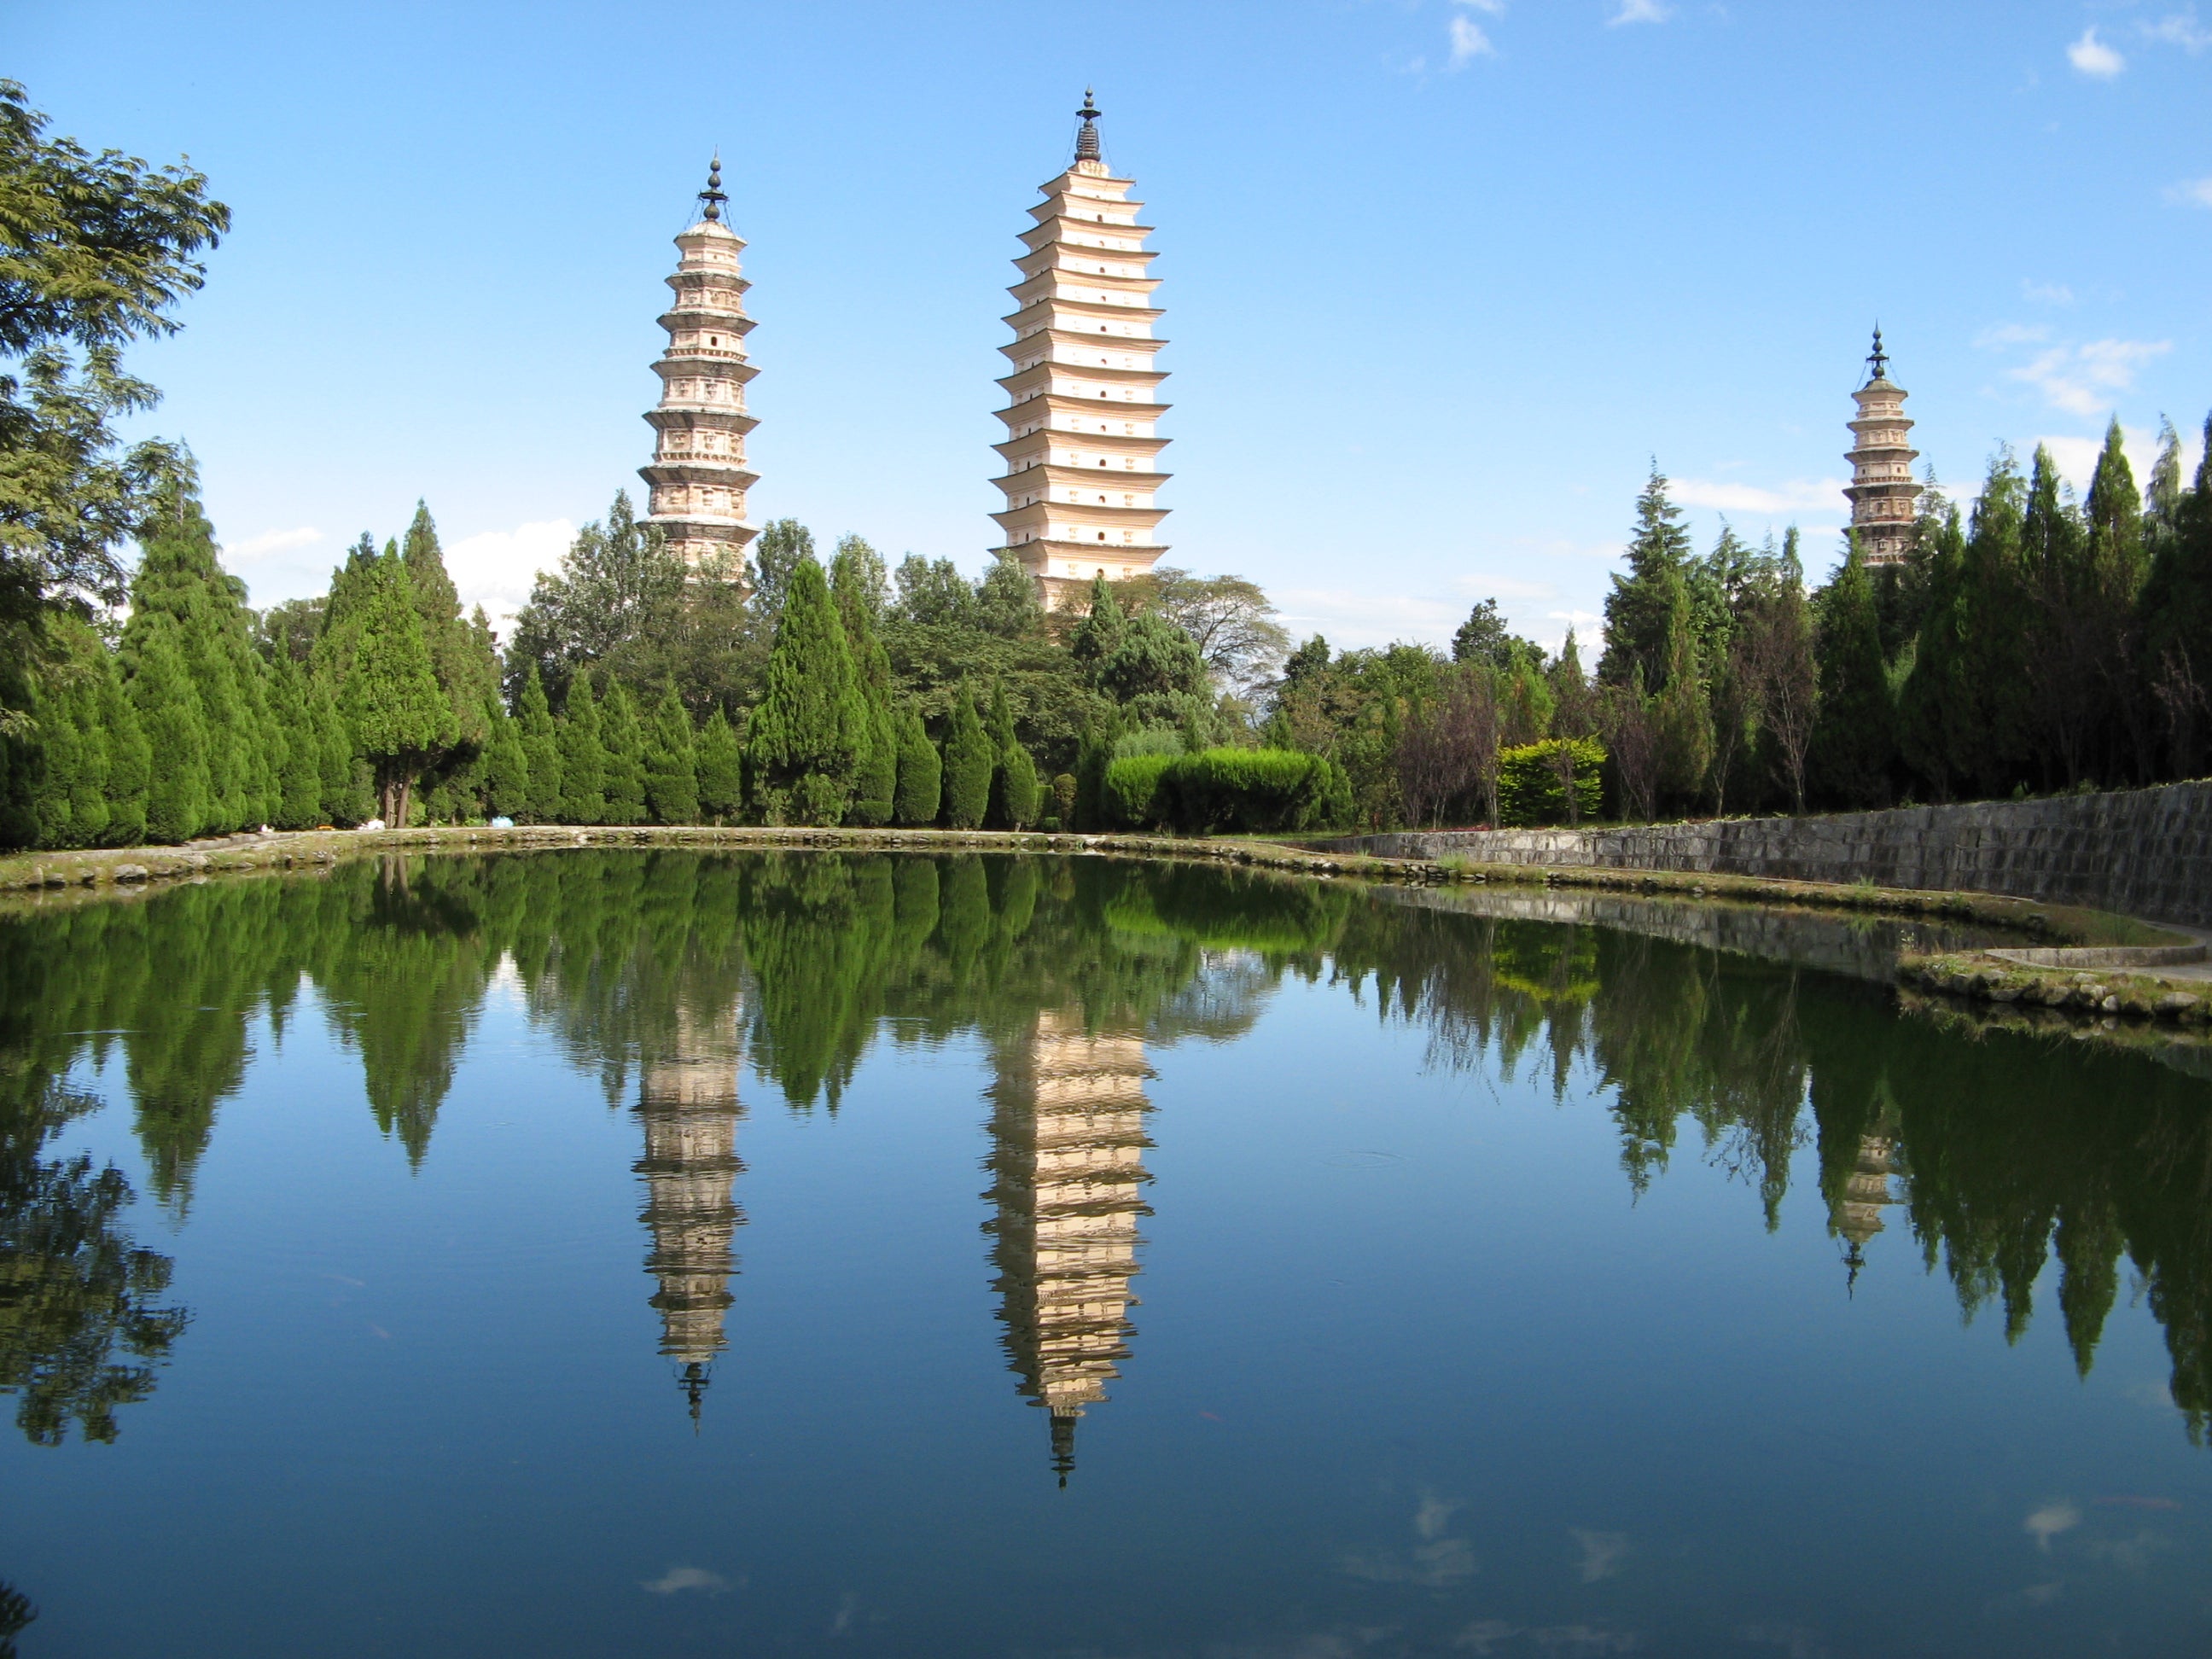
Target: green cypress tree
{"points": [[462, 655], [392, 703], [921, 787], [1995, 732], [169, 707], [857, 588], [130, 759], [68, 751], [541, 750], [1854, 737], [1682, 713], [970, 763], [999, 724], [875, 780], [1640, 610], [671, 762], [804, 739], [505, 772], [349, 787], [1019, 788], [623, 737], [181, 579], [1094, 638], [722, 774], [583, 757], [300, 786]]}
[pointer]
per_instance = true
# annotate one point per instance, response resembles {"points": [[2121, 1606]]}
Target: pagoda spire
{"points": [[697, 480], [1081, 451], [1882, 494], [1086, 141]]}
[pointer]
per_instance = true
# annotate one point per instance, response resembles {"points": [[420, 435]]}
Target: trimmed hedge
{"points": [[1529, 791], [1243, 791]]}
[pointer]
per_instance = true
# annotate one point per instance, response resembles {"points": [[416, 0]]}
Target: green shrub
{"points": [[1243, 791], [1133, 791], [1528, 787]]}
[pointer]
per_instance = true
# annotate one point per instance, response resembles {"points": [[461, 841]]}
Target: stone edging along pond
{"points": [[33, 881]]}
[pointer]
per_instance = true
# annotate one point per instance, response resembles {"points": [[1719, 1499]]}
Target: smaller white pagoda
{"points": [[1882, 494], [697, 482]]}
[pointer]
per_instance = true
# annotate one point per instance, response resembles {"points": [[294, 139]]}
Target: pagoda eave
{"points": [[700, 418]]}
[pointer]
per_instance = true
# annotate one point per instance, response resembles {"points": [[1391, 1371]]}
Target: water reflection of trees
{"points": [[2014, 1151], [2011, 1152]]}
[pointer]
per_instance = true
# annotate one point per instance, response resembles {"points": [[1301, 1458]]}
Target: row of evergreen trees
{"points": [[378, 701], [2031, 643]]}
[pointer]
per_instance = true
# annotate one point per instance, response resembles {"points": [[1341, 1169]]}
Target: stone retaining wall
{"points": [[2141, 853]]}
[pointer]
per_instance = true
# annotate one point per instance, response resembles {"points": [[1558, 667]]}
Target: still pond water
{"points": [[606, 1254]]}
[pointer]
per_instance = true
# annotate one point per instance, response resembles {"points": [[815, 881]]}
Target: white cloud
{"points": [[495, 568], [2093, 58], [1468, 42], [1357, 619], [1797, 495], [2076, 457], [1483, 584], [271, 541], [2084, 379], [2008, 334], [1601, 1552], [687, 1578], [2192, 192], [2047, 1522], [1639, 11], [2049, 294], [2179, 28], [1495, 8]]}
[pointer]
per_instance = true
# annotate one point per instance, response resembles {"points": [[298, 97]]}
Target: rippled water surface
{"points": [[602, 1254]]}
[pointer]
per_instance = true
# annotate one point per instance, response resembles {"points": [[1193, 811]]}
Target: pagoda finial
{"points": [[1087, 142], [1878, 360], [711, 198]]}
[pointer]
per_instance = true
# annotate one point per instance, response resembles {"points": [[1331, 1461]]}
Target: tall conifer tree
{"points": [[623, 734], [541, 749], [393, 702], [1854, 736], [921, 772], [805, 739], [721, 772], [970, 763], [169, 707], [672, 763], [504, 773], [583, 757]]}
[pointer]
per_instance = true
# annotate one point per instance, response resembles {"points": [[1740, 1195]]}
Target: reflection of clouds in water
{"points": [[2047, 1522], [1436, 1561], [1340, 1643], [1794, 1640], [2131, 1555], [1601, 1552], [2157, 1395], [1493, 1636], [687, 1578]]}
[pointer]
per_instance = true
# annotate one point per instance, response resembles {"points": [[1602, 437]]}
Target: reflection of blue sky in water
{"points": [[1422, 1281]]}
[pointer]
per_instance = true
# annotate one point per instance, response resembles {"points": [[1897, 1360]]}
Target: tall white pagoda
{"points": [[697, 482], [1882, 494], [1082, 455]]}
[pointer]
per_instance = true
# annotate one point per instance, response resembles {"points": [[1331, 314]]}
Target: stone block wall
{"points": [[2142, 852]]}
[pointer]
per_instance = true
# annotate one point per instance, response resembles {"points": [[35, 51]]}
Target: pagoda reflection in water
{"points": [[687, 1101], [1068, 1132]]}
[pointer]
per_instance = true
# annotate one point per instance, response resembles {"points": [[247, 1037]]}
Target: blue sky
{"points": [[1442, 276]]}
